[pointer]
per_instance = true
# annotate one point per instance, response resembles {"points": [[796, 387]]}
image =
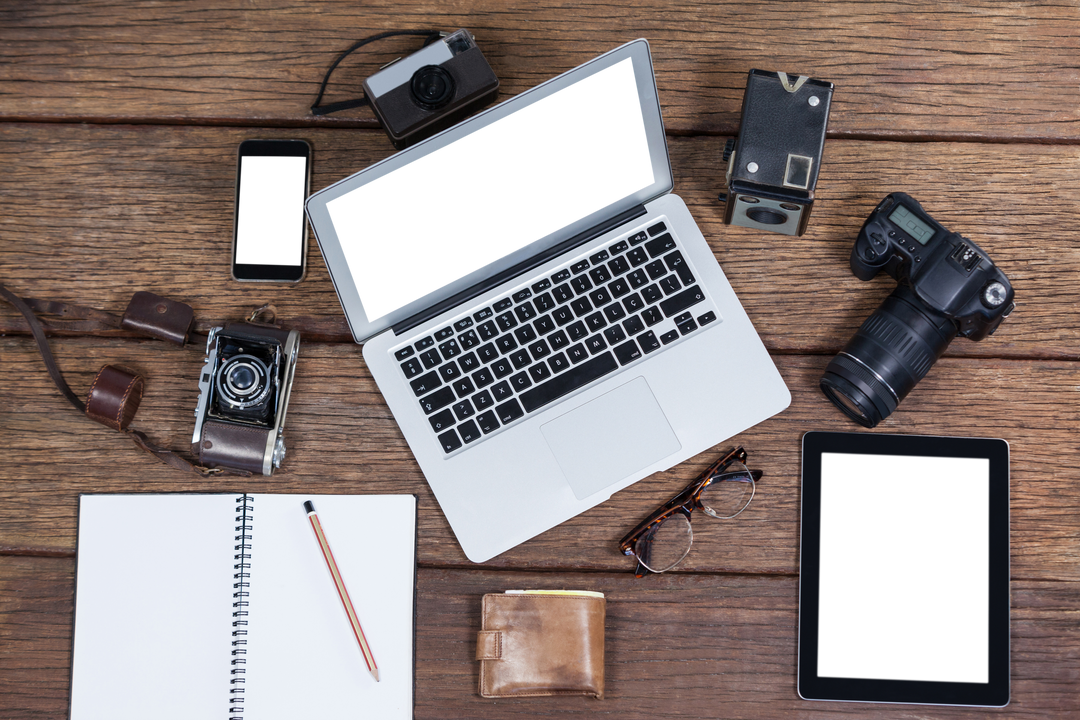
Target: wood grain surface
{"points": [[119, 124]]}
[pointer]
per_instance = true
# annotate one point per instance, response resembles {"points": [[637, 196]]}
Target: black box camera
{"points": [[421, 94], [947, 286], [773, 163]]}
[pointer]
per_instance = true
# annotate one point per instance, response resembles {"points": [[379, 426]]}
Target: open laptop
{"points": [[544, 318]]}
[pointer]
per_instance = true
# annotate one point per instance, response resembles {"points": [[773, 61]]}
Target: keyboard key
{"points": [[619, 288], [539, 372], [520, 358], [569, 381], [660, 245], [509, 411], [525, 311], [637, 256], [628, 352], [483, 377], [648, 341], [651, 315], [469, 339], [652, 293], [558, 340], [487, 330], [463, 410], [506, 321], [638, 238], [544, 324], [614, 334], [656, 269], [520, 381], [637, 279], [403, 353], [633, 303], [444, 333], [677, 265], [501, 368], [469, 431], [425, 383], [482, 315], [558, 362], [449, 372], [487, 422], [595, 344], [463, 324], [430, 358], [581, 306], [599, 258], [561, 276], [539, 350], [522, 295], [600, 297], [449, 441], [579, 267], [525, 334], [501, 391], [506, 343], [614, 312], [463, 386], [482, 400], [678, 303], [682, 318], [706, 318], [670, 285], [441, 421], [541, 286], [563, 315], [633, 325], [669, 337], [619, 247], [577, 353], [687, 327], [504, 304], [562, 293], [577, 330], [595, 321], [544, 302], [581, 284], [618, 266], [450, 349], [424, 343], [437, 400], [600, 275], [657, 228], [412, 367]]}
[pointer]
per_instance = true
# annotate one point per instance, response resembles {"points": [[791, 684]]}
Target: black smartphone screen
{"points": [[270, 230]]}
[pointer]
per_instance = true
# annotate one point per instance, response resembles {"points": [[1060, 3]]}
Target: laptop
{"points": [[542, 315]]}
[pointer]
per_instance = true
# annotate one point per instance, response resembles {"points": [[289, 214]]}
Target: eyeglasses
{"points": [[664, 538]]}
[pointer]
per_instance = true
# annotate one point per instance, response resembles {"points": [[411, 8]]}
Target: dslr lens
{"points": [[431, 87], [893, 350]]}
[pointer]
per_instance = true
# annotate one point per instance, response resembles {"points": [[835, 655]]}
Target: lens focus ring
{"points": [[243, 381]]}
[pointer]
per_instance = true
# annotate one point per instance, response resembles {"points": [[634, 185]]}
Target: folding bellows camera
{"points": [[773, 163]]}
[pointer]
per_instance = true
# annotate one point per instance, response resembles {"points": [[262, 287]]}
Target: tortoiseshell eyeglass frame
{"points": [[686, 501]]}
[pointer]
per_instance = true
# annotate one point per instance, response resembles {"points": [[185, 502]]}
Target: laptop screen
{"points": [[445, 214]]}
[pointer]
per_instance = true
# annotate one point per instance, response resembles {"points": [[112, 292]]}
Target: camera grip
{"points": [[234, 446]]}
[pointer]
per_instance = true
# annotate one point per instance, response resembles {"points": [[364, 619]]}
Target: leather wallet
{"points": [[535, 643]]}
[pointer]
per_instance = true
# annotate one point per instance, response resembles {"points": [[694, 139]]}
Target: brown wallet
{"points": [[535, 643]]}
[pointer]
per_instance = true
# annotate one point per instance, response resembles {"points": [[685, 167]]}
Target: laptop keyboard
{"points": [[557, 334]]}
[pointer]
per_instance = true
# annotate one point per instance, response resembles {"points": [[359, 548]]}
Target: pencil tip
{"points": [[375, 673]]}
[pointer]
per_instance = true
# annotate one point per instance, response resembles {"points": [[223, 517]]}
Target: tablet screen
{"points": [[904, 568]]}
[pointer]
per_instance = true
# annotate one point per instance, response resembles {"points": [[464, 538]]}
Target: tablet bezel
{"points": [[994, 693]]}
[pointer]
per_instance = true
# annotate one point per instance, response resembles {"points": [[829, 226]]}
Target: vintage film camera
{"points": [[773, 163], [947, 287], [244, 392], [416, 96]]}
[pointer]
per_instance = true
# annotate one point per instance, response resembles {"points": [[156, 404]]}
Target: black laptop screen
{"points": [[904, 565], [495, 191]]}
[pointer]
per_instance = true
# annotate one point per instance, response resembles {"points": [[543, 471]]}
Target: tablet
{"points": [[904, 569]]}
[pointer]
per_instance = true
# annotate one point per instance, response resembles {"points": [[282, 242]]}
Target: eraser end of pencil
{"points": [[309, 507]]}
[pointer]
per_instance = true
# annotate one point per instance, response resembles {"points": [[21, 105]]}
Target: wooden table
{"points": [[120, 126]]}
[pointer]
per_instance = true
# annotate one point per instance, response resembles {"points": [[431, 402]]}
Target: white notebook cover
{"points": [[154, 612]]}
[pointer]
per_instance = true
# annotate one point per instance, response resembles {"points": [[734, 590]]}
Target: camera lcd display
{"points": [[270, 212], [905, 561], [495, 191], [912, 225]]}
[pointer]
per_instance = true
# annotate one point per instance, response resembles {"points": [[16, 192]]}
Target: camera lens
{"points": [[243, 381], [893, 350], [242, 377], [766, 216], [431, 87]]}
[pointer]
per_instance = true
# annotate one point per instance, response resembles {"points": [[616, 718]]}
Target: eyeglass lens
{"points": [[665, 544]]}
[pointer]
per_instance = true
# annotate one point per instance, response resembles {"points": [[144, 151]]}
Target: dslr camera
{"points": [[244, 392], [774, 161], [947, 286], [435, 87]]}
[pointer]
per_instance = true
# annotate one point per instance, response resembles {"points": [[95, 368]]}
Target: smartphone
{"points": [[273, 178]]}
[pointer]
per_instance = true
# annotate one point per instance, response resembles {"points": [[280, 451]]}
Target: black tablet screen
{"points": [[904, 566]]}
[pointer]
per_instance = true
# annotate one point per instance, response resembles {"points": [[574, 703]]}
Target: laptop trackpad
{"points": [[611, 437]]}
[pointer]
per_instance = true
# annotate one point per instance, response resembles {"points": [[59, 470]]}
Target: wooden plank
{"points": [[98, 212], [342, 439], [922, 69], [691, 643]]}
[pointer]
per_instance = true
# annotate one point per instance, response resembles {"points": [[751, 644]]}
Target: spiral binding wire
{"points": [[242, 581]]}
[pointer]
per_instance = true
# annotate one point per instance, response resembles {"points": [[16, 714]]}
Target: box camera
{"points": [[773, 163], [244, 392], [419, 95], [947, 287]]}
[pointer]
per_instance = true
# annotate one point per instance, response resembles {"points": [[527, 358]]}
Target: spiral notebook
{"points": [[221, 606]]}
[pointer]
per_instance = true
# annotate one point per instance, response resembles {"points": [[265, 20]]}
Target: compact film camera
{"points": [[947, 287], [244, 392], [774, 161], [435, 87]]}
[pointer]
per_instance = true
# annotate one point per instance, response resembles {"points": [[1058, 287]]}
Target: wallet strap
{"points": [[489, 645], [116, 392]]}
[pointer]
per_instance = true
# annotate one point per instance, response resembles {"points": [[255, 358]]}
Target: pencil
{"points": [[343, 593]]}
